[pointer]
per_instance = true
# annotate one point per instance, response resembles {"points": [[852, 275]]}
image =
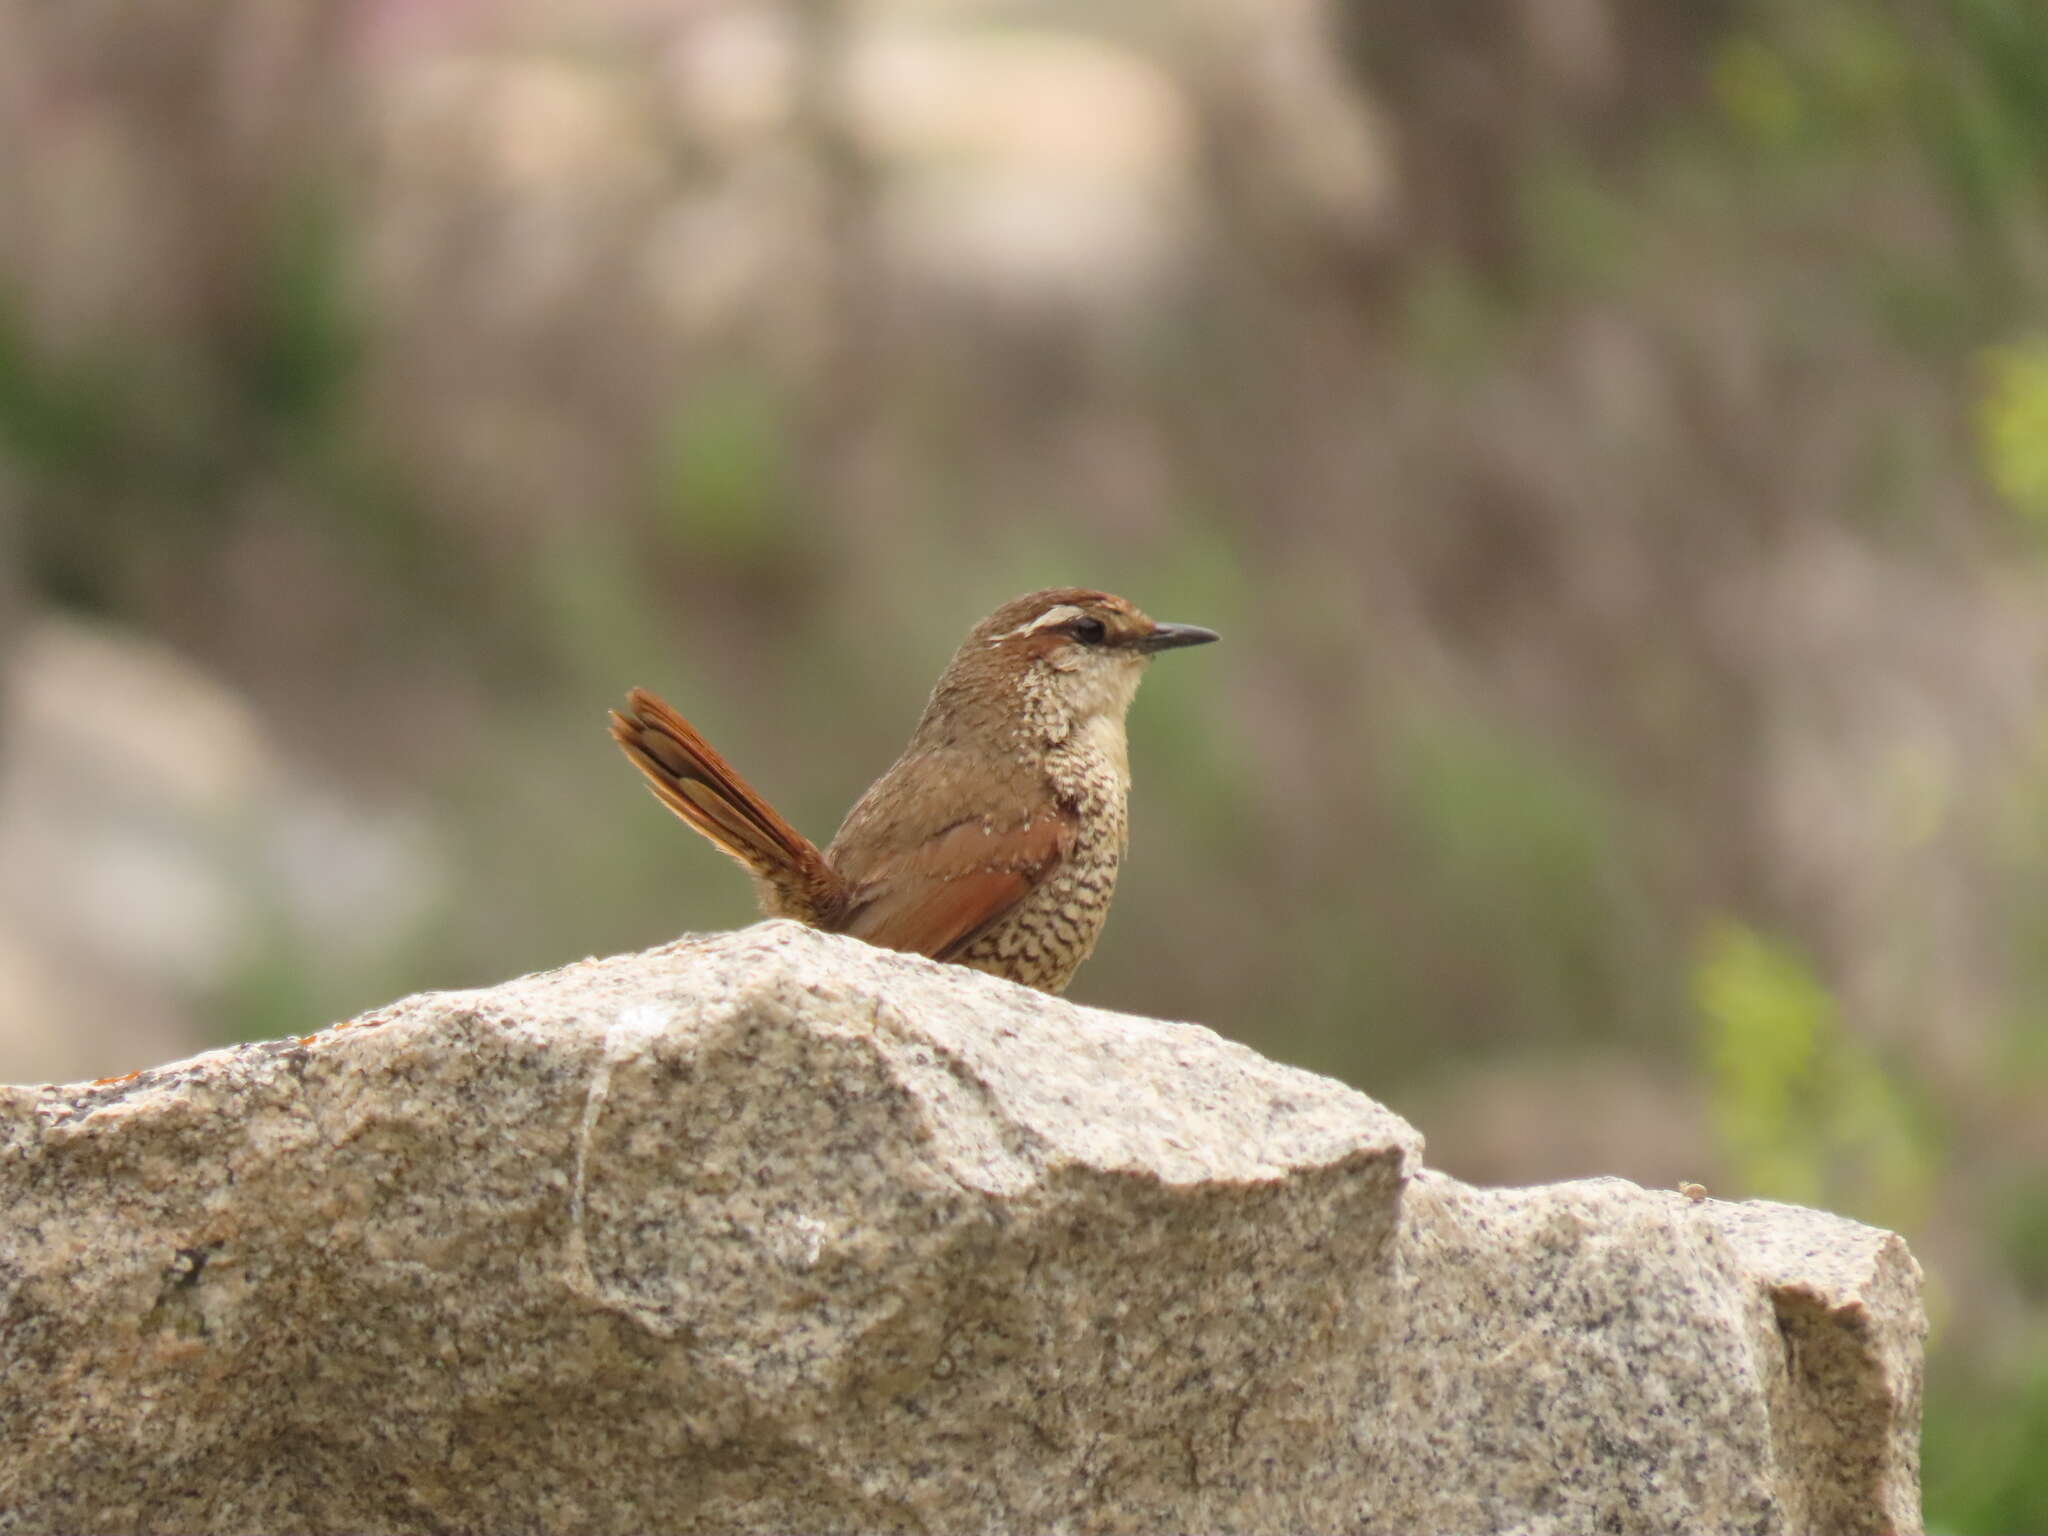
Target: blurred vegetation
{"points": [[1802, 1108], [2012, 419], [1617, 459]]}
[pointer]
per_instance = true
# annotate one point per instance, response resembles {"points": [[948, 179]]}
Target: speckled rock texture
{"points": [[772, 1231]]}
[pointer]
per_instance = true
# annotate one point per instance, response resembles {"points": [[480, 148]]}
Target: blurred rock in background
{"points": [[153, 846], [1613, 439]]}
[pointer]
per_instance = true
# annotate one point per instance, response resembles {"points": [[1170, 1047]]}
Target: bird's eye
{"points": [[1087, 631]]}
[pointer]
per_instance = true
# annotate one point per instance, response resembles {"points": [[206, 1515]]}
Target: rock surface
{"points": [[775, 1231]]}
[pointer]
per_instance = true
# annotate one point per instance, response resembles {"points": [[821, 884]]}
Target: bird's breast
{"points": [[1042, 941]]}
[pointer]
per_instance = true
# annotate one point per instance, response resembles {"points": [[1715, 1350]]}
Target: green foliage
{"points": [[1825, 74], [1581, 232], [1522, 856], [725, 486], [138, 448], [2017, 845], [55, 421], [1982, 1452], [272, 990], [1836, 83], [2021, 1221], [592, 604], [1984, 117], [1756, 89], [1455, 323], [307, 346], [2011, 419], [1804, 1111]]}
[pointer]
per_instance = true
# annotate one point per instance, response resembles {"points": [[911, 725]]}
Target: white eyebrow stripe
{"points": [[1059, 613]]}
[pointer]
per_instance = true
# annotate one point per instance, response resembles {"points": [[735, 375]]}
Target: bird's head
{"points": [[1081, 650]]}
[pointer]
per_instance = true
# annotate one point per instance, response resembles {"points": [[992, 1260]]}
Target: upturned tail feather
{"points": [[688, 775]]}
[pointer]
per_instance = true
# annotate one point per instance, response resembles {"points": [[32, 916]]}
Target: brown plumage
{"points": [[994, 840]]}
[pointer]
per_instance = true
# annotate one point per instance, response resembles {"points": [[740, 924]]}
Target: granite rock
{"points": [[776, 1231]]}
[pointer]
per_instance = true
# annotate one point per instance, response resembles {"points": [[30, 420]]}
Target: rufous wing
{"points": [[937, 899]]}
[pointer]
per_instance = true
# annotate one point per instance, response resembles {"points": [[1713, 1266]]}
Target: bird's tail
{"points": [[689, 777]]}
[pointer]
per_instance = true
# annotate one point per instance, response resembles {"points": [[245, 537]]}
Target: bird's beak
{"points": [[1171, 637]]}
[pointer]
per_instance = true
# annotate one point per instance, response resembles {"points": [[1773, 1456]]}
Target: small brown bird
{"points": [[994, 841]]}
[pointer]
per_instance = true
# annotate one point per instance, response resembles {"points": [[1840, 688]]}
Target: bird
{"points": [[995, 838]]}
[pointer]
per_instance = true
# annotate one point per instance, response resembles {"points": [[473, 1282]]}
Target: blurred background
{"points": [[1613, 439]]}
